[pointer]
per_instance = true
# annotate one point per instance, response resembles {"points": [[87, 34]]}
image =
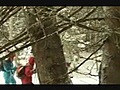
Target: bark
{"points": [[111, 52], [50, 60]]}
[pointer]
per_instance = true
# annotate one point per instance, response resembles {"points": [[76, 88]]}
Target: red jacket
{"points": [[28, 72]]}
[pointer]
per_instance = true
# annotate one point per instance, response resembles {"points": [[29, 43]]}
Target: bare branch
{"points": [[88, 14], [86, 27], [76, 23], [5, 18], [86, 74], [76, 11], [90, 19], [59, 9], [86, 59]]}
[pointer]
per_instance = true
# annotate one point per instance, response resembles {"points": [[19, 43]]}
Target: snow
{"points": [[77, 79], [83, 79]]}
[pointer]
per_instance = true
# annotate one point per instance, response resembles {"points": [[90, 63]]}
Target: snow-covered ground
{"points": [[83, 79], [76, 79]]}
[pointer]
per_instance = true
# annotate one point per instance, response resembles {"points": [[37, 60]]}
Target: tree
{"points": [[110, 66], [50, 60], [73, 21]]}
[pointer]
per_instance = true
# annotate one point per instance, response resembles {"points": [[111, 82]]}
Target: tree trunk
{"points": [[111, 57], [50, 60]]}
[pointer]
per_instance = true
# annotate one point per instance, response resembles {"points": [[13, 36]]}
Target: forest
{"points": [[67, 41]]}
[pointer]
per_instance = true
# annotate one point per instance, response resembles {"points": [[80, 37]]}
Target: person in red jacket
{"points": [[29, 70]]}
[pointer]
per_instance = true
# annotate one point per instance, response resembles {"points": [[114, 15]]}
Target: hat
{"points": [[31, 60]]}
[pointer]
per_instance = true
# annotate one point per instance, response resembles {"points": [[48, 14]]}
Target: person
{"points": [[9, 70], [29, 71]]}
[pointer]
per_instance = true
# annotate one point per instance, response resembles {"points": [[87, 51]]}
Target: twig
{"points": [[88, 14], [86, 59], [9, 15]]}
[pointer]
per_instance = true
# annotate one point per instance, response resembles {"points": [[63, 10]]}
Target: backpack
{"points": [[1, 66], [20, 71]]}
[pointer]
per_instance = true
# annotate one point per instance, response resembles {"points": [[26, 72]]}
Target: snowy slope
{"points": [[76, 79]]}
